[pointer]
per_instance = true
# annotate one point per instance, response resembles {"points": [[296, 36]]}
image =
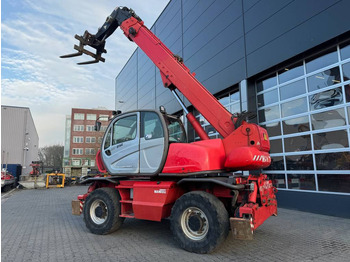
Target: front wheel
{"points": [[199, 222], [101, 211]]}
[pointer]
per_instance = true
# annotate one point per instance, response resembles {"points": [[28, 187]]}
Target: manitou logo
{"points": [[160, 191], [261, 158], [266, 186]]}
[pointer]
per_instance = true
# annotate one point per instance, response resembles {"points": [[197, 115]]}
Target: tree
{"points": [[52, 157]]}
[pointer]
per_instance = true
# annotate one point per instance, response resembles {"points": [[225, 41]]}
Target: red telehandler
{"points": [[154, 173]]}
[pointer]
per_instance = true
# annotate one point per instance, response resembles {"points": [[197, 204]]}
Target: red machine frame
{"points": [[244, 146]]}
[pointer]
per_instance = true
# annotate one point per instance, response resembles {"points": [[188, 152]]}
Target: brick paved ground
{"points": [[37, 225]]}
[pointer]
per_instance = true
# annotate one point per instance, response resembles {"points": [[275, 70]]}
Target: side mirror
{"points": [[97, 126]]}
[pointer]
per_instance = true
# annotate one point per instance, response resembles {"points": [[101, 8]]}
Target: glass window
{"points": [[103, 118], [328, 119], [124, 129], [77, 151], [320, 60], [276, 163], [76, 162], [334, 183], [290, 72], [202, 120], [268, 98], [92, 162], [301, 181], [225, 100], [325, 99], [278, 180], [78, 116], [323, 79], [108, 139], [276, 146], [151, 126], [346, 72], [333, 161], [295, 125], [293, 89], [300, 162], [99, 140], [273, 129], [269, 114], [176, 131], [266, 83], [235, 108], [78, 139], [90, 151], [329, 140], [90, 116], [346, 76], [90, 128], [294, 107], [78, 128], [234, 97], [90, 140], [210, 130], [297, 143], [345, 50]]}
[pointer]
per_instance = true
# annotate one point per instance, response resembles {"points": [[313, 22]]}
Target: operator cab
{"points": [[137, 142]]}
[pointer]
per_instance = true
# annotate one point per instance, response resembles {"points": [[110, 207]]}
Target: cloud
{"points": [[33, 75]]}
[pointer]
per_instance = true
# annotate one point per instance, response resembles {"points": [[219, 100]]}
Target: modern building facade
{"points": [[81, 140], [19, 138], [287, 61]]}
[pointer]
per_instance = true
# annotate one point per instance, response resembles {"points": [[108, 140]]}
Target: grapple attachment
{"points": [[88, 40], [97, 41]]}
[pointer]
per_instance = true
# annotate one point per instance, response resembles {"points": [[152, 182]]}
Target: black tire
{"points": [[101, 211], [199, 222]]}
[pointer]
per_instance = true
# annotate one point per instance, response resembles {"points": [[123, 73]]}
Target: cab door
{"points": [[152, 142], [120, 148]]}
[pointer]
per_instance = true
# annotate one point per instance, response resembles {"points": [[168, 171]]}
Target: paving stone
{"points": [[37, 225]]}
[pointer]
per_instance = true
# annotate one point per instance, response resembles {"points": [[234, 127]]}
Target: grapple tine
{"points": [[88, 62], [71, 55]]}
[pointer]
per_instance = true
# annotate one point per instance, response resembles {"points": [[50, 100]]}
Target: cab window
{"points": [[124, 129], [176, 131], [151, 126], [108, 139]]}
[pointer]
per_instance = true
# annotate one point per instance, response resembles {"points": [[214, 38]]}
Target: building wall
{"points": [[84, 141], [278, 30], [237, 50], [225, 42], [19, 138]]}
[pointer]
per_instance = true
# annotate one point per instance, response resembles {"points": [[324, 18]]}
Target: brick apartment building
{"points": [[82, 141]]}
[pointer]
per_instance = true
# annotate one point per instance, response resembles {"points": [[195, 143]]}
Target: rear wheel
{"points": [[199, 222], [102, 210]]}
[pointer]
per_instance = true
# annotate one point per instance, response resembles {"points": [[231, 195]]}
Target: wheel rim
{"points": [[98, 212], [194, 223]]}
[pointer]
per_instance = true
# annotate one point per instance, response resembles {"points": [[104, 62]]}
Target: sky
{"points": [[33, 36]]}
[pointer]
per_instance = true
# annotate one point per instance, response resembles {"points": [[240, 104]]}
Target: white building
{"points": [[19, 138]]}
